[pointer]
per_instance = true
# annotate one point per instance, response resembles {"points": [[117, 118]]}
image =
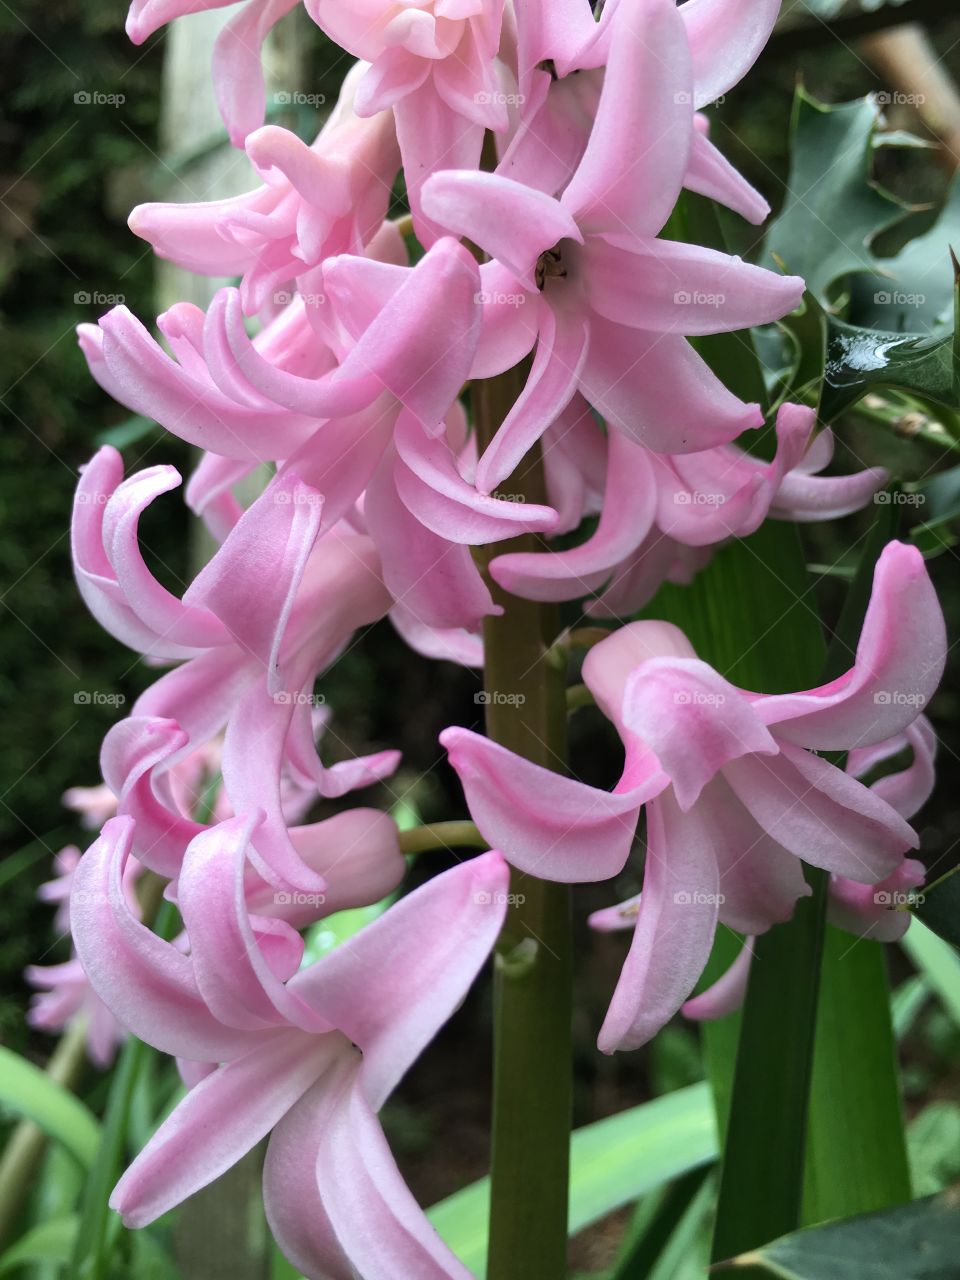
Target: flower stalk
{"points": [[530, 1140]]}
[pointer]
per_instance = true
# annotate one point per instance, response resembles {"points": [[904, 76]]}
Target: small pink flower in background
{"points": [[735, 792], [309, 1055]]}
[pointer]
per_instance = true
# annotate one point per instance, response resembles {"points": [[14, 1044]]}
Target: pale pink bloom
{"points": [[381, 423], [327, 198], [435, 63], [65, 994], [878, 911], [736, 794], [655, 505], [725, 37], [94, 804], [612, 303], [259, 623], [310, 1055]]}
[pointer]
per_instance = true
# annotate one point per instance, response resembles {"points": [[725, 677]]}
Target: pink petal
{"points": [[672, 287], [359, 1184], [726, 38], [821, 814], [436, 580], [238, 69], [432, 137], [711, 174], [633, 168], [512, 223], [219, 1121], [146, 982], [909, 789], [547, 825], [232, 973], [392, 986], [132, 751], [727, 994], [625, 520], [695, 721], [270, 545], [656, 389], [675, 926], [557, 364], [434, 491], [898, 665]]}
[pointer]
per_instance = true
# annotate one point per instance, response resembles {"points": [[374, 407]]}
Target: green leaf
{"points": [[856, 1155], [833, 210], [94, 1239], [664, 1226], [29, 1092], [130, 431], [938, 961], [50, 1242], [861, 360], [933, 1142], [612, 1163], [915, 1241], [939, 906]]}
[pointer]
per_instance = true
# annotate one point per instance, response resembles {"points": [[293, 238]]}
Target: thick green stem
{"points": [[526, 712]]}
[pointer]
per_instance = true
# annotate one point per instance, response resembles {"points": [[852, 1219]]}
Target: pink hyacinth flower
{"points": [[308, 1057], [612, 302], [736, 794], [317, 201], [877, 911], [654, 504], [434, 62]]}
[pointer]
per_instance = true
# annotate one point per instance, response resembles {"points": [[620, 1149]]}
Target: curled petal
{"points": [[547, 825], [727, 994], [146, 982], [898, 665]]}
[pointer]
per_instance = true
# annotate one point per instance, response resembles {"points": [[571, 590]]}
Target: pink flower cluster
{"points": [[348, 386]]}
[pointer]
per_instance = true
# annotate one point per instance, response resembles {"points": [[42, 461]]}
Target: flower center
{"points": [[550, 266]]}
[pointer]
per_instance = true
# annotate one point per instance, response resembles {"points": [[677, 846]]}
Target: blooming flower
{"points": [[611, 302], [735, 792], [309, 1055]]}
